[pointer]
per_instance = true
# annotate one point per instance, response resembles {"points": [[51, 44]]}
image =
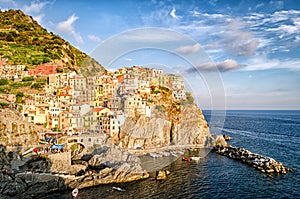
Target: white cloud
{"points": [[188, 49], [263, 63], [213, 16], [240, 43], [39, 18], [226, 65], [195, 13], [173, 13], [67, 27], [128, 59], [35, 7], [259, 5], [94, 38]]}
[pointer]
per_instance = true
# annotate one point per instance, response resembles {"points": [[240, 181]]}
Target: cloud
{"points": [[195, 13], [240, 43], [67, 27], [226, 65], [94, 38], [263, 63], [35, 7], [188, 49], [128, 59], [259, 5], [173, 14], [39, 18]]}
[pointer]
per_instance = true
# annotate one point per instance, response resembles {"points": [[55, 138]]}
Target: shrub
{"points": [[25, 79], [3, 82]]}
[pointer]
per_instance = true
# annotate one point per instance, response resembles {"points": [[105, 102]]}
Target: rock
{"points": [[227, 137], [111, 157], [161, 175], [264, 164], [177, 125], [220, 141]]}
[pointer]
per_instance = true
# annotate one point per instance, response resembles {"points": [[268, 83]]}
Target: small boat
{"points": [[118, 189], [186, 159], [75, 192], [195, 158], [181, 152], [153, 155]]}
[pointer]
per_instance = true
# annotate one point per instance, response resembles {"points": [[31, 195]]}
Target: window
{"points": [[90, 139]]}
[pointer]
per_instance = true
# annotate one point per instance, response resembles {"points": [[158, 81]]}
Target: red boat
{"points": [[186, 159]]}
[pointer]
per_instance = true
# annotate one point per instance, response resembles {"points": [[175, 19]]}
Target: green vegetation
{"points": [[37, 85], [19, 97], [24, 41], [189, 99], [3, 82], [20, 84], [3, 104], [25, 79]]}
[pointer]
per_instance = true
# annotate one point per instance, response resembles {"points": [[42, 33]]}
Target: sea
{"points": [[275, 134]]}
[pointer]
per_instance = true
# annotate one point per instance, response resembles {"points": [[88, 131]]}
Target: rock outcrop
{"points": [[40, 175], [168, 125], [261, 163], [16, 132]]}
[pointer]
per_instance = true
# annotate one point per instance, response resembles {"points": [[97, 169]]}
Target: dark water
{"points": [[271, 133]]}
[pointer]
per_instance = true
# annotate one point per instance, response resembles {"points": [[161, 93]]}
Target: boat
{"points": [[28, 151], [118, 189], [186, 159], [153, 155], [195, 158], [75, 192]]}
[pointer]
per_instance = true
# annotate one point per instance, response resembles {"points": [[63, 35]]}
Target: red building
{"points": [[45, 69]]}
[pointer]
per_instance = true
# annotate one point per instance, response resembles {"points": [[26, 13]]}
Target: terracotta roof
{"points": [[98, 109]]}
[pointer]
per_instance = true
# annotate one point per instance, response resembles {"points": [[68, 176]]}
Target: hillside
{"points": [[24, 41]]}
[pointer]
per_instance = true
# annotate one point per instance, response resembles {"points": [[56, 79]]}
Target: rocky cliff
{"points": [[171, 124], [39, 175], [16, 132]]}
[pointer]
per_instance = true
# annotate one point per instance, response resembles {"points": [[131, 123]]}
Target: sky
{"points": [[232, 54]]}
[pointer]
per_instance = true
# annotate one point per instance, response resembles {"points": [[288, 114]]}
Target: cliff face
{"points": [[14, 131], [168, 125]]}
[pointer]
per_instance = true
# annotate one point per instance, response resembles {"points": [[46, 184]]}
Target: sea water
{"points": [[274, 134]]}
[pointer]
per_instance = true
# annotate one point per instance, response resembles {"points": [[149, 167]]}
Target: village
{"points": [[71, 104]]}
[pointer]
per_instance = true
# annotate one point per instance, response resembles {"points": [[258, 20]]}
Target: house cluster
{"points": [[74, 104], [8, 71], [17, 72]]}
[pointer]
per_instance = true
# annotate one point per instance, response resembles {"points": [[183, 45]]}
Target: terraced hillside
{"points": [[24, 41]]}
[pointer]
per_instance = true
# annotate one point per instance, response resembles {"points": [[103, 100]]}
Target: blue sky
{"points": [[255, 45]]}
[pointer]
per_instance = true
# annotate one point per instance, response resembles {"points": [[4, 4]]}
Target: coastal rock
{"points": [[220, 141], [227, 137], [177, 125], [111, 156], [261, 163], [161, 175]]}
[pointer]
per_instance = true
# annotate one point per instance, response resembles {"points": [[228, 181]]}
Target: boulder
{"points": [[227, 137], [161, 175]]}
